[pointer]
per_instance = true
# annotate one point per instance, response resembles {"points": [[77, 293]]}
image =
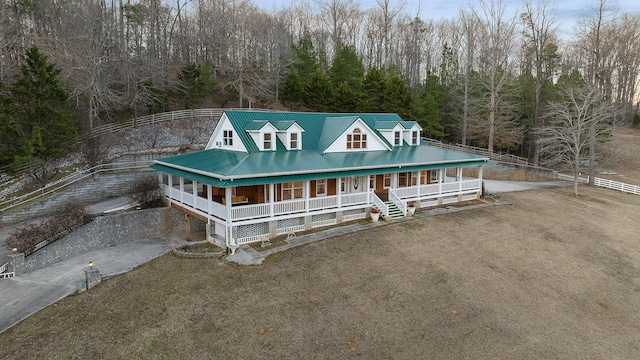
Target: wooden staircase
{"points": [[394, 211]]}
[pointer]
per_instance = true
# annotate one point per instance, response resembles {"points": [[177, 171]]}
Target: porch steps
{"points": [[394, 211]]}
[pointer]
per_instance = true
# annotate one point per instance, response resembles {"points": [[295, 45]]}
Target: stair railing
{"points": [[379, 204], [393, 197]]}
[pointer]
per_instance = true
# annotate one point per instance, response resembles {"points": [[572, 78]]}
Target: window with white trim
{"points": [[267, 141], [321, 187], [414, 138], [356, 140], [293, 141], [292, 190], [387, 181], [434, 177], [414, 178], [397, 138], [227, 137], [402, 179]]}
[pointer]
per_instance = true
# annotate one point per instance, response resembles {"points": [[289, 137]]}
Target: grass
{"points": [[548, 277]]}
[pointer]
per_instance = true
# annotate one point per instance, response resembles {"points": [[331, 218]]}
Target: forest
{"points": [[489, 77]]}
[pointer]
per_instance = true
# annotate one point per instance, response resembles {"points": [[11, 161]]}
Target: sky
{"points": [[569, 11]]}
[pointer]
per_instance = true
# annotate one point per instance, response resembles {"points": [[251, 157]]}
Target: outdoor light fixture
{"points": [[14, 250], [90, 264]]}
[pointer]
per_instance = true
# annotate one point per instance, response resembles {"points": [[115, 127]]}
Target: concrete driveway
{"points": [[502, 186]]}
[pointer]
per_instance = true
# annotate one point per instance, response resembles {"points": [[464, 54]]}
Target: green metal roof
{"points": [[221, 167]]}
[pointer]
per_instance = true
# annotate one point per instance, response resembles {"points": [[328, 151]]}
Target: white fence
{"points": [[616, 185]]}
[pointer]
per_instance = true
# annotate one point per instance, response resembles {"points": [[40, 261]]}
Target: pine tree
{"points": [[346, 67], [344, 99], [371, 96], [35, 115], [292, 90], [397, 97], [317, 93]]}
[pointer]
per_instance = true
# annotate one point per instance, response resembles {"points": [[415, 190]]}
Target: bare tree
{"points": [[566, 138], [497, 46], [539, 24]]}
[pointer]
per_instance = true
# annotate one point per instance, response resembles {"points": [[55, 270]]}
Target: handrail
{"points": [[379, 204], [3, 268], [508, 158], [398, 202], [69, 180]]}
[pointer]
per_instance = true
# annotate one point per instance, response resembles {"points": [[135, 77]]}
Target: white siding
{"points": [[390, 134], [373, 142], [217, 139]]}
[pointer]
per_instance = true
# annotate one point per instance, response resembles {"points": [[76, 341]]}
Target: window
{"points": [[372, 182], [227, 137], [292, 190], [414, 138], [343, 185], [356, 140], [423, 176], [321, 187], [434, 176], [402, 179], [267, 141], [387, 181], [397, 138], [414, 178], [293, 143]]}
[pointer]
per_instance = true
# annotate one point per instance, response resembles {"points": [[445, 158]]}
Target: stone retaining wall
{"points": [[105, 231]]}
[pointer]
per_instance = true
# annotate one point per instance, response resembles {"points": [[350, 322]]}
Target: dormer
{"points": [[411, 133], [290, 134], [349, 134], [263, 134], [392, 131]]}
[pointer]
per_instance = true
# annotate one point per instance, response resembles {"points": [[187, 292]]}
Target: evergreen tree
{"points": [[317, 93], [37, 123], [426, 113], [306, 60], [292, 90], [194, 83], [344, 99], [346, 67], [371, 96], [397, 97]]}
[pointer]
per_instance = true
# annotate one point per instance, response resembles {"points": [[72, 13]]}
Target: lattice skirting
{"points": [[354, 214], [286, 226], [251, 233], [429, 203], [323, 220]]}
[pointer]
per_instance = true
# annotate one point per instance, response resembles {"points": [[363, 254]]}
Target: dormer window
{"points": [[414, 138], [397, 136], [356, 140], [227, 137], [267, 141], [293, 141]]}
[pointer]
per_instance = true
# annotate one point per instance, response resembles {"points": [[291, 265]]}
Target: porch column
{"points": [[441, 175], [181, 189], [209, 198], [170, 182], [480, 173], [459, 175], [339, 191], [228, 197], [307, 193], [272, 198], [194, 192]]}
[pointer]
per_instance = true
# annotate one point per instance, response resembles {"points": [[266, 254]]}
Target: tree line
{"points": [[485, 78]]}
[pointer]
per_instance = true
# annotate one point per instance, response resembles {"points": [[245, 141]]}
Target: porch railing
{"points": [[402, 205], [379, 204]]}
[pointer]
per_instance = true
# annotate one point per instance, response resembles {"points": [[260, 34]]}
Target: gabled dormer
{"points": [[290, 134], [263, 134], [225, 137], [349, 134], [411, 132], [393, 131]]}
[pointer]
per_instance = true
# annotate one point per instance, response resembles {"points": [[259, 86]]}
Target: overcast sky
{"points": [[569, 11]]}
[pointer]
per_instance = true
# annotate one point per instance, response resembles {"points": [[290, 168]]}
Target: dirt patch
{"points": [[552, 276]]}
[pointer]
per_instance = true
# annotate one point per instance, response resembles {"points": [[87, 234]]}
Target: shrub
{"points": [[146, 193], [64, 219]]}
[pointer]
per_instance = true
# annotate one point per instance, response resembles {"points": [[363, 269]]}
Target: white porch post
{"points": [[480, 173], [442, 176], [170, 182], [194, 192], [209, 198], [181, 189], [459, 173], [339, 191], [307, 193], [272, 198], [228, 197]]}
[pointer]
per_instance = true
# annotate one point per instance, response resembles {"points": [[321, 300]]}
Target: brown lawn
{"points": [[550, 276]]}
